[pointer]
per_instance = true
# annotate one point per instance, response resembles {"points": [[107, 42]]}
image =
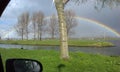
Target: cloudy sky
{"points": [[107, 16]]}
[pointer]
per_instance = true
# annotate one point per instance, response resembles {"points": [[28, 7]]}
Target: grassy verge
{"points": [[85, 43], [79, 62]]}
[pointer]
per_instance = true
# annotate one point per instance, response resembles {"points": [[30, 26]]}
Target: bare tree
{"points": [[22, 26], [40, 24], [108, 3], [26, 22], [34, 27], [70, 21], [53, 26], [103, 3]]}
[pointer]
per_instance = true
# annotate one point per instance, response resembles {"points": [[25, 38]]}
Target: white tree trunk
{"points": [[63, 30]]}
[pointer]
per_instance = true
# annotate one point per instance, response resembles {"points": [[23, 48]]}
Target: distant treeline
{"points": [[37, 26]]}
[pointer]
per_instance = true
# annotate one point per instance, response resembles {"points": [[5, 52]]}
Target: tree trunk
{"points": [[34, 27], [27, 34], [62, 28], [40, 35], [22, 34]]}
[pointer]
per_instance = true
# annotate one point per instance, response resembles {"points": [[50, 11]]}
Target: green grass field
{"points": [[79, 62], [86, 43]]}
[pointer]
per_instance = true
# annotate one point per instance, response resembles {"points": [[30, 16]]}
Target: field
{"points": [[79, 62], [84, 43]]}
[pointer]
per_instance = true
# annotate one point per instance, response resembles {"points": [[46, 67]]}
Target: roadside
{"points": [[79, 62]]}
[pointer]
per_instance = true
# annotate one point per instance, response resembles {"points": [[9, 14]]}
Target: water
{"points": [[112, 51]]}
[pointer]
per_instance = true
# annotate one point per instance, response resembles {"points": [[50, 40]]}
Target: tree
{"points": [[103, 3], [53, 26], [22, 26], [70, 21], [59, 4], [26, 22], [40, 24], [109, 3], [34, 18]]}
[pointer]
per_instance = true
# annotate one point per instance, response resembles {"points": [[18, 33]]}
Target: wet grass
{"points": [[85, 43], [79, 62]]}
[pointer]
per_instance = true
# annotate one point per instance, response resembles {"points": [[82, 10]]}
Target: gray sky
{"points": [[108, 16]]}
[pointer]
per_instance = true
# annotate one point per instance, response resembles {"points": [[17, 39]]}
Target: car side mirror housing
{"points": [[23, 65]]}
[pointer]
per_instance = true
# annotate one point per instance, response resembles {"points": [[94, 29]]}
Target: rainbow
{"points": [[99, 24], [96, 23], [84, 19], [6, 34]]}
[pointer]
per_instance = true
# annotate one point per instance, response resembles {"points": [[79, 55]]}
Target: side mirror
{"points": [[23, 65]]}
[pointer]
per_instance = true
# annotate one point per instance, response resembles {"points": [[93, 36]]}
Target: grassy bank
{"points": [[85, 43], [79, 62]]}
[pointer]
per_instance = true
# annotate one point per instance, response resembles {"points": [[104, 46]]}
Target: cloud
{"points": [[110, 17], [16, 7], [106, 15]]}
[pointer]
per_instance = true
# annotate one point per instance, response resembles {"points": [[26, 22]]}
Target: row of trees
{"points": [[37, 25]]}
